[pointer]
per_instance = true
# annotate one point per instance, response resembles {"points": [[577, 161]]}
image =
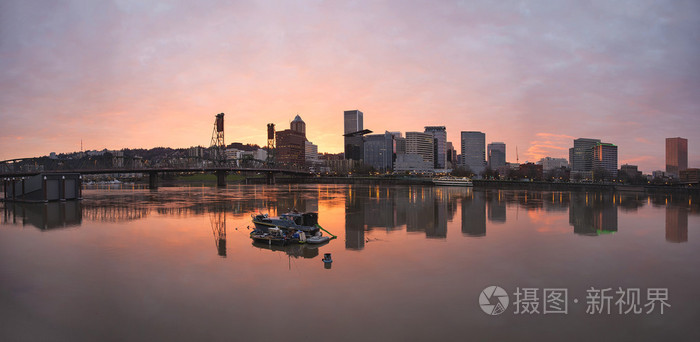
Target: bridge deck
{"points": [[159, 170]]}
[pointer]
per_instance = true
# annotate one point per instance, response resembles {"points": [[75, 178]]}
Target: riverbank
{"points": [[498, 184], [210, 180]]}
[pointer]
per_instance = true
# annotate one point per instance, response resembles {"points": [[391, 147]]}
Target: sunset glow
{"points": [[133, 74]]}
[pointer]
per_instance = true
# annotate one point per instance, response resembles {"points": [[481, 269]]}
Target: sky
{"points": [[532, 74]]}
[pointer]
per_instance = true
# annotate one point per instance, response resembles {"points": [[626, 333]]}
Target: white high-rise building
{"points": [[311, 152]]}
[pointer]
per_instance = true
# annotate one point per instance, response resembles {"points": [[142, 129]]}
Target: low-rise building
{"points": [[690, 175]]}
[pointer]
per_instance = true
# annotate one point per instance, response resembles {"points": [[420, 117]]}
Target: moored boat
{"points": [[317, 239], [306, 222], [452, 181], [293, 227], [273, 235]]}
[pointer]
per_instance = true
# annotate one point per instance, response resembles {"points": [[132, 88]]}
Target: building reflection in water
{"points": [[496, 206], [418, 208], [354, 220], [594, 213], [44, 216], [676, 224], [474, 214]]}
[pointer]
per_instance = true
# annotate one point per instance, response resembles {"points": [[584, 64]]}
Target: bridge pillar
{"points": [[220, 178], [270, 178], [153, 180]]}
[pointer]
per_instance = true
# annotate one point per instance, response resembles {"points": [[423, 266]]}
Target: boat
{"points": [[306, 222], [292, 227], [272, 235], [452, 181], [317, 239]]}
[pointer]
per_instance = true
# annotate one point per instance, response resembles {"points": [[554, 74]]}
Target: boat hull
{"points": [[453, 183]]}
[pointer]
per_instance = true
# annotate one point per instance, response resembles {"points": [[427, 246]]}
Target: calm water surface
{"points": [[409, 264]]}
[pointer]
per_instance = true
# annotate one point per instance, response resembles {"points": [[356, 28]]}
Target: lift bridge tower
{"points": [[218, 147], [270, 144]]}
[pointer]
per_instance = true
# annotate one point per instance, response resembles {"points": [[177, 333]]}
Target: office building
{"points": [[452, 161], [496, 155], [412, 162], [291, 146], [581, 156], [605, 157], [311, 152], [421, 144], [352, 121], [549, 163], [379, 151], [353, 132], [298, 125], [439, 134], [474, 151], [676, 156]]}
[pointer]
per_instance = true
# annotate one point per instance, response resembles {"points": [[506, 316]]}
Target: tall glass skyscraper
{"points": [[676, 155], [379, 151], [581, 155], [474, 151], [354, 148], [496, 155], [440, 145], [605, 156], [353, 121]]}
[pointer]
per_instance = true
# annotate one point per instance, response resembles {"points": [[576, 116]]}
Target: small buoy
{"points": [[327, 258]]}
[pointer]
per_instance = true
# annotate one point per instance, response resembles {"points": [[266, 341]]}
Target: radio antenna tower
{"points": [[270, 144], [218, 146]]}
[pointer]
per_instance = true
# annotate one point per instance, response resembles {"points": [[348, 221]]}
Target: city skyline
{"points": [[130, 75]]}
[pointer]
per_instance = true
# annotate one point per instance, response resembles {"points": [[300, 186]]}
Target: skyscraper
{"points": [[676, 155], [439, 146], [605, 157], [353, 137], [496, 155], [291, 146], [400, 143], [451, 155], [379, 151], [581, 156], [474, 151], [421, 144], [298, 125], [353, 121], [311, 152], [291, 143]]}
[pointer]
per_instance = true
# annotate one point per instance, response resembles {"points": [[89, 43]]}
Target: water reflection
{"points": [[592, 214], [44, 216], [296, 251], [474, 214], [676, 224], [217, 220], [415, 209]]}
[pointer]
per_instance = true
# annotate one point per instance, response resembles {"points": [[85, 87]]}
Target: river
{"points": [[410, 263]]}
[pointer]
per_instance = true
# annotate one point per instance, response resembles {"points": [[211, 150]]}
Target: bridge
{"points": [[219, 171], [220, 165]]}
